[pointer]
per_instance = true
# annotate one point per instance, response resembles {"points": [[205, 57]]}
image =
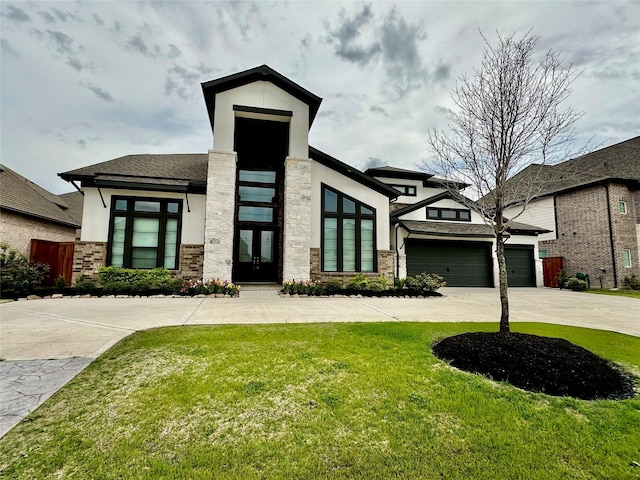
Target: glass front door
{"points": [[256, 255]]}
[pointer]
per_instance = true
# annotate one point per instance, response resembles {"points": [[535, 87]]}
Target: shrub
{"points": [[576, 284], [631, 282], [209, 287], [358, 282], [333, 286], [17, 274], [426, 282], [60, 282], [130, 281], [303, 287], [562, 278], [84, 283]]}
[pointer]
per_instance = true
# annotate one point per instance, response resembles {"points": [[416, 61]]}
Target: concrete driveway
{"points": [[37, 336]]}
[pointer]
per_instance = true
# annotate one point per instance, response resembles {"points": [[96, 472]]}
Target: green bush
{"points": [[562, 278], [426, 282], [17, 274], [129, 281], [333, 286], [576, 284], [632, 282], [362, 282], [84, 283]]}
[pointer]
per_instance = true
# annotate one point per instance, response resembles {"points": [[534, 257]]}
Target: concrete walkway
{"points": [[34, 333]]}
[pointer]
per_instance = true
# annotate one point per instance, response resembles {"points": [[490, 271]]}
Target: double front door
{"points": [[256, 254]]}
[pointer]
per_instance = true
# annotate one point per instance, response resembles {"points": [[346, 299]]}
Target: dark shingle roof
{"points": [[428, 179], [619, 162], [20, 195], [75, 200], [455, 229]]}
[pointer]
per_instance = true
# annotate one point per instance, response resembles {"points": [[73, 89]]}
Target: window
{"points": [[348, 234], [626, 258], [257, 196], [144, 232], [408, 190], [435, 213], [622, 207]]}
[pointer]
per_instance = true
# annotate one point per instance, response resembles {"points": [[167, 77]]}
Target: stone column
{"points": [[297, 218], [219, 214]]}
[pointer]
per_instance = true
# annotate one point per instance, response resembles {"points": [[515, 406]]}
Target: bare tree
{"points": [[508, 116]]}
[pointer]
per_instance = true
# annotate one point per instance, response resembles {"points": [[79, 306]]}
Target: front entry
{"points": [[261, 147], [256, 253]]}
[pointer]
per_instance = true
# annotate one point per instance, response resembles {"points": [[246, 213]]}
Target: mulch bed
{"points": [[538, 364]]}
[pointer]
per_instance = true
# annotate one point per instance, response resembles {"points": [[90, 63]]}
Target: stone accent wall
{"points": [[18, 230], [386, 262], [297, 218], [191, 262], [220, 210], [88, 257], [583, 236]]}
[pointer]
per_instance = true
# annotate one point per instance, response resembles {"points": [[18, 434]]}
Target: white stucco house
{"points": [[264, 206]]}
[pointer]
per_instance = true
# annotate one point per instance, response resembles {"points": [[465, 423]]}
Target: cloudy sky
{"points": [[85, 82]]}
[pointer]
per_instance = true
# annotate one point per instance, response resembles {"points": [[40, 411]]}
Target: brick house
{"points": [[262, 205], [591, 205], [28, 211]]}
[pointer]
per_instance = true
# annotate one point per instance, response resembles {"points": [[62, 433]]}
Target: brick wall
{"points": [[385, 267], [583, 236], [191, 262], [88, 257], [18, 230]]}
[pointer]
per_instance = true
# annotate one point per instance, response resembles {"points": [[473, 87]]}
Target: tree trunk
{"points": [[502, 275]]}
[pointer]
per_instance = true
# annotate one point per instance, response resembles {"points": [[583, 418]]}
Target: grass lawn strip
{"points": [[320, 401]]}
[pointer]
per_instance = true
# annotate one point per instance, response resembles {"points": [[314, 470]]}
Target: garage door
{"points": [[520, 265], [462, 264]]}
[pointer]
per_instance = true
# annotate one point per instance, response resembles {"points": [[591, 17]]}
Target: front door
{"points": [[256, 255]]}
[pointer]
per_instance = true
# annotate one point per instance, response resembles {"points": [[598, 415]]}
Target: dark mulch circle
{"points": [[538, 364]]}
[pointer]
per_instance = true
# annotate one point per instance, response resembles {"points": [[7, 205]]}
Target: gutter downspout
{"points": [[611, 241]]}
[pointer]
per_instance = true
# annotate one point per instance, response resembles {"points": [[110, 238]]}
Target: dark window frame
{"points": [[340, 215], [130, 214], [406, 190], [440, 216], [273, 204]]}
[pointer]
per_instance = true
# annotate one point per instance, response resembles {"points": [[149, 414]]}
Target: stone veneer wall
{"points": [[297, 218], [88, 257], [18, 230], [386, 261], [191, 262], [583, 237], [219, 214]]}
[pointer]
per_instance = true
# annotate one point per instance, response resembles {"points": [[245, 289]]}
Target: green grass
{"points": [[616, 293], [319, 401]]}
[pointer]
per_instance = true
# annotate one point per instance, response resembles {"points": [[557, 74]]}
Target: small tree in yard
{"points": [[508, 115]]}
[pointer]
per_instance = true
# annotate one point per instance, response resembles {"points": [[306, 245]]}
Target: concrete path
{"points": [[82, 329]]}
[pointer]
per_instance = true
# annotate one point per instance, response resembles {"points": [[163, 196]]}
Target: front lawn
{"points": [[320, 401], [616, 293]]}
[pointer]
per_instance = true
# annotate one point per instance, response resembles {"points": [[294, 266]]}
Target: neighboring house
{"points": [[28, 211], [38, 223], [264, 206], [591, 206], [433, 232]]}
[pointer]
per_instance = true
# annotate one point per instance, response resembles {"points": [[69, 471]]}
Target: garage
{"points": [[462, 264], [520, 265]]}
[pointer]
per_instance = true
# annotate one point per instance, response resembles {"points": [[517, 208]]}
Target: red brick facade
{"points": [[589, 223]]}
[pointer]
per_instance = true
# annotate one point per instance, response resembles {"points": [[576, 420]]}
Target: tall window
{"points": [[144, 232], [626, 258], [348, 233]]}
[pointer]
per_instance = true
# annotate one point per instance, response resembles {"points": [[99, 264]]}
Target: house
{"points": [[28, 211], [264, 206], [38, 223], [433, 231], [591, 207]]}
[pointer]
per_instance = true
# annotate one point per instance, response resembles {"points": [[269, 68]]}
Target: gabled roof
{"points": [[165, 172], [616, 163], [20, 195], [75, 200], [261, 73], [352, 172], [422, 203], [428, 179]]}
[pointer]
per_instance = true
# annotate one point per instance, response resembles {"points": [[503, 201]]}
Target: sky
{"points": [[85, 82]]}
